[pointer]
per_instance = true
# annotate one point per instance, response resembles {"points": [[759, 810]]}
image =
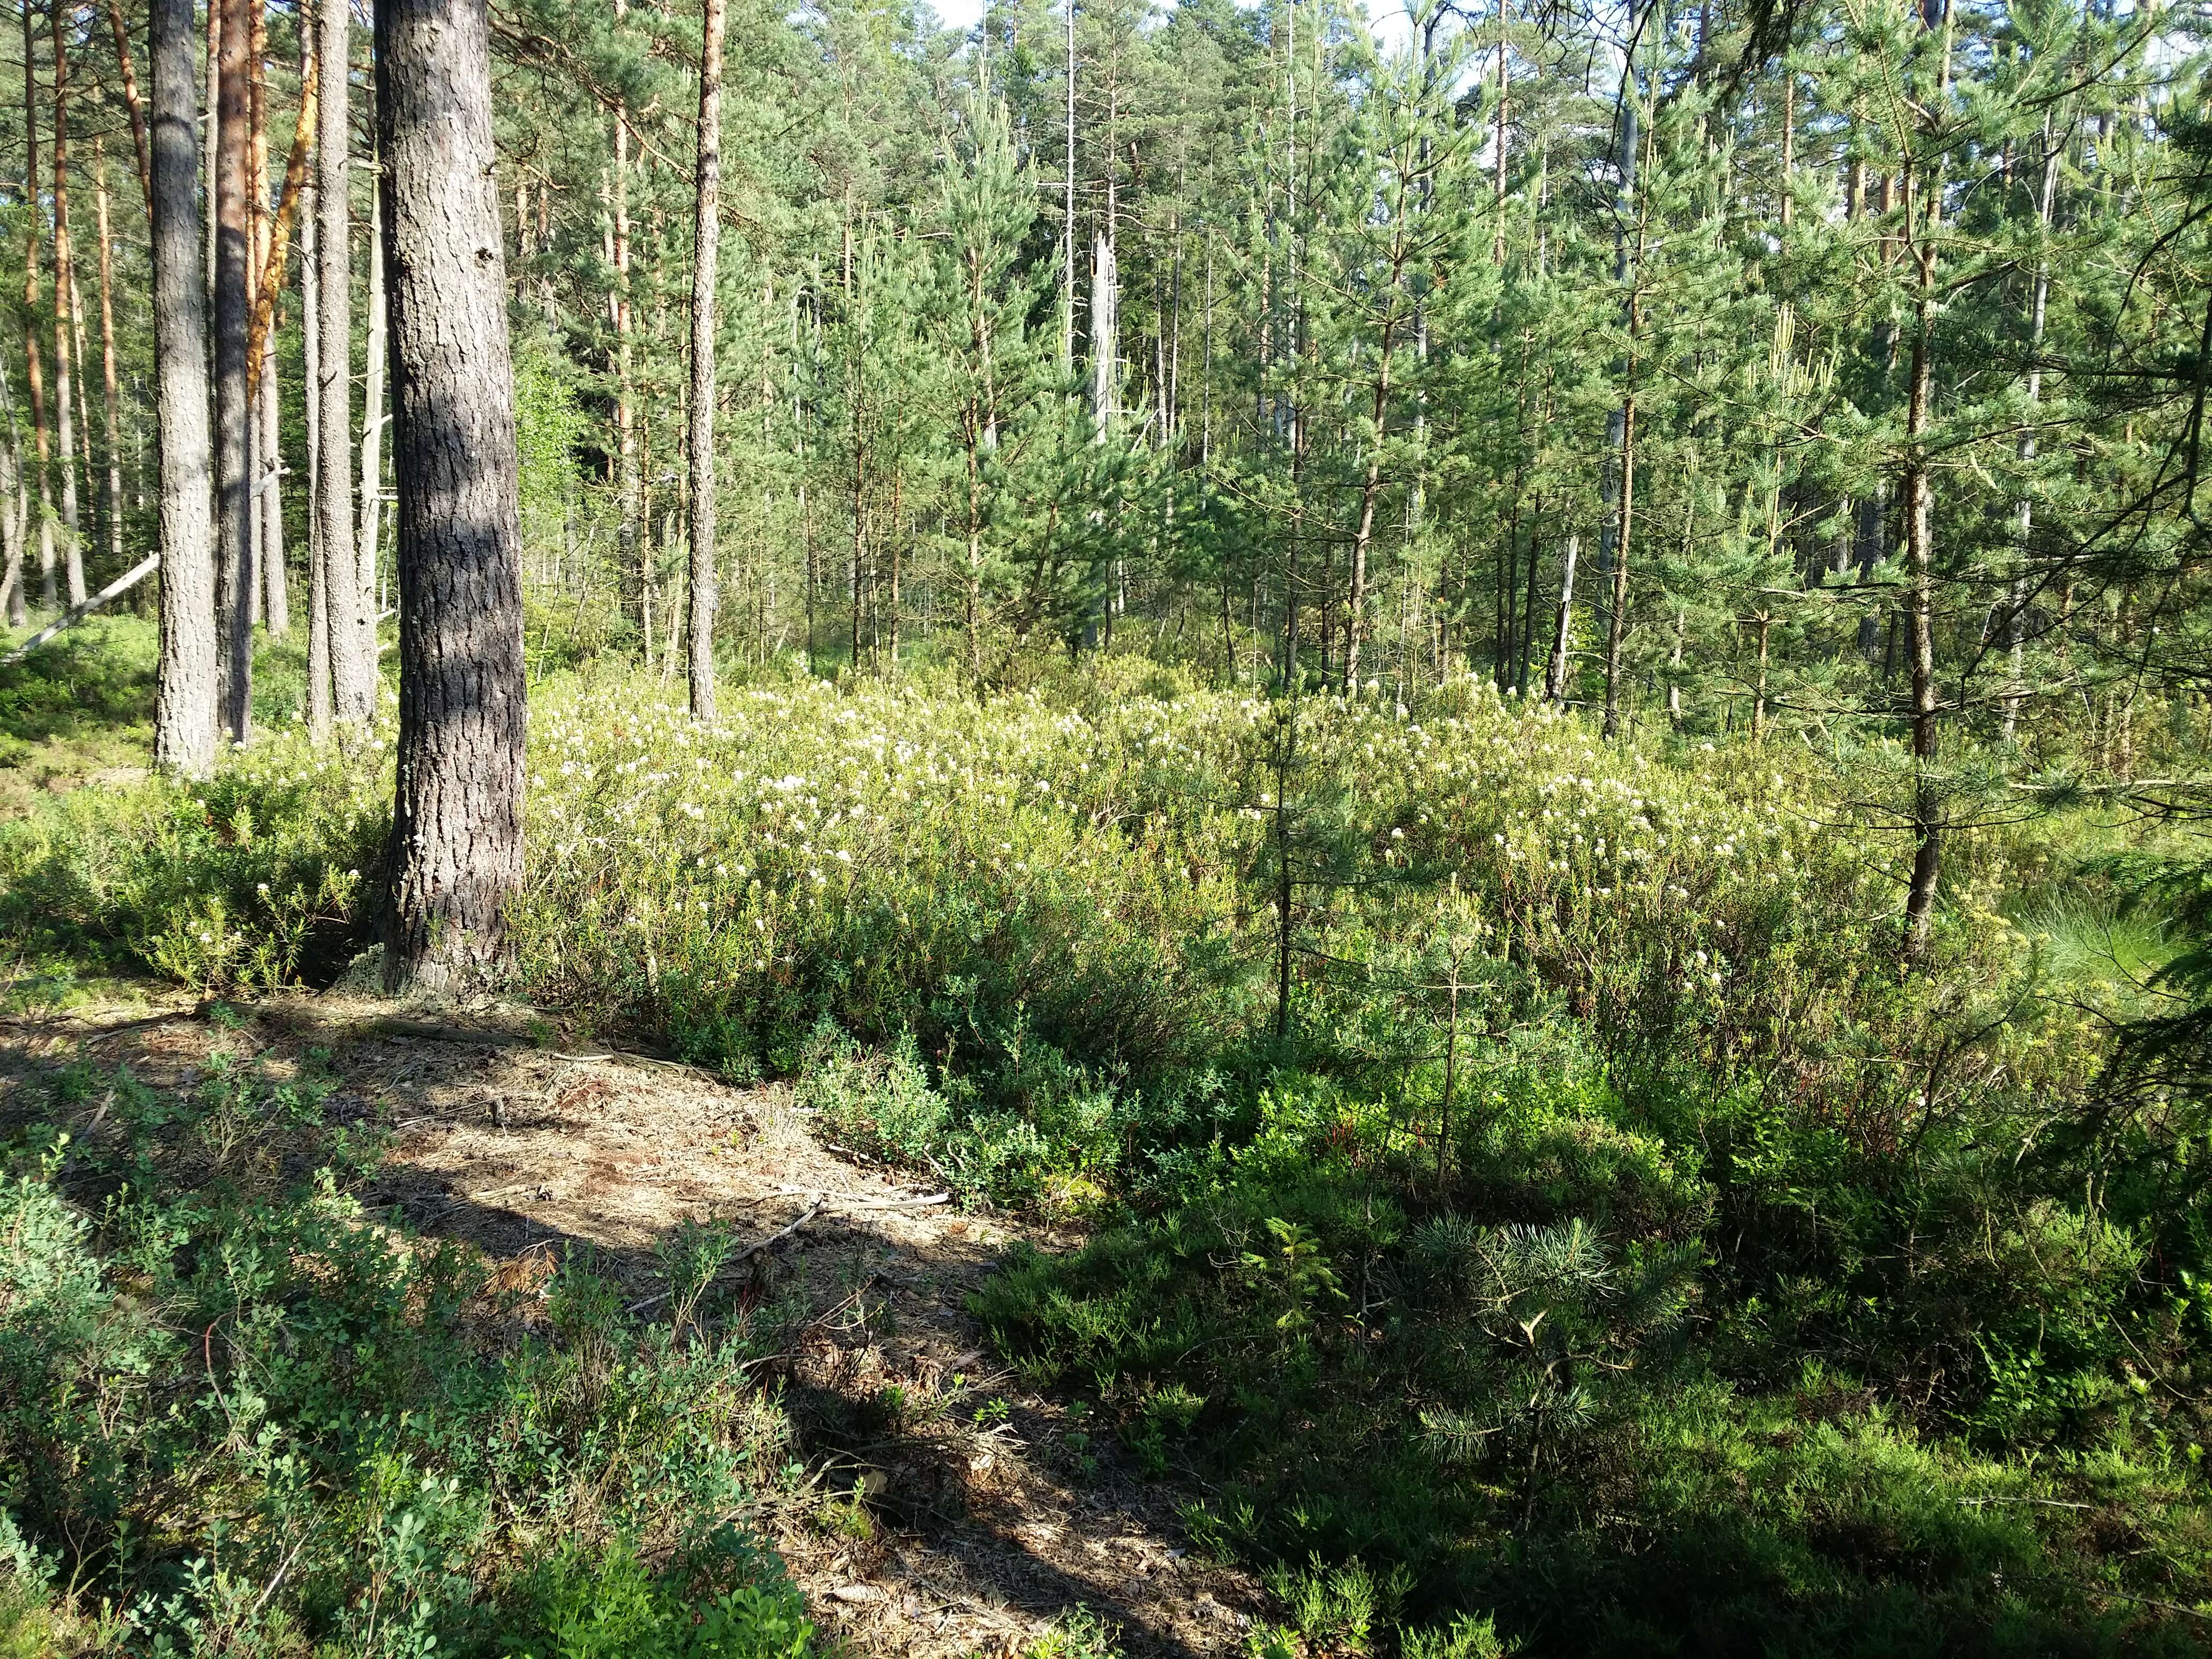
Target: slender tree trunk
{"points": [[1764, 622], [706, 234], [353, 639], [131, 99], [1555, 676], [1674, 669], [34, 373], [268, 276], [210, 125], [2016, 689], [1624, 524], [256, 196], [1620, 481], [321, 700], [234, 496], [268, 497], [1529, 605], [65, 289], [456, 855], [376, 355], [109, 387], [1067, 217], [634, 541], [185, 717], [14, 506], [1919, 529], [1370, 487], [83, 359]]}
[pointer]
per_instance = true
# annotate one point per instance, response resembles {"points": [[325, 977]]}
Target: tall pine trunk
{"points": [[33, 370], [1919, 529], [234, 498], [131, 100], [267, 463], [184, 711], [65, 289], [376, 356], [110, 391], [456, 851], [319, 693], [15, 507], [2038, 305], [353, 645], [706, 236]]}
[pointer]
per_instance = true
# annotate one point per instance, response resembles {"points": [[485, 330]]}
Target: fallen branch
{"points": [[70, 618], [745, 1254], [860, 1200]]}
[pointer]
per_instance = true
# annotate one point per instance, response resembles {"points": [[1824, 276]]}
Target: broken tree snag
{"points": [[456, 855]]}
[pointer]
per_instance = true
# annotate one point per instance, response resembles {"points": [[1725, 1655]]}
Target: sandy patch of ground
{"points": [[989, 1512]]}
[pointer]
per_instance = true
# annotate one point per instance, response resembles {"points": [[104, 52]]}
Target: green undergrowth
{"points": [[240, 1413], [1600, 1239], [1535, 1403]]}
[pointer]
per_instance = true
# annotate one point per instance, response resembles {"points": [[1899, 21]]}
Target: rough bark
{"points": [[705, 247], [234, 500], [184, 715], [456, 853], [353, 643]]}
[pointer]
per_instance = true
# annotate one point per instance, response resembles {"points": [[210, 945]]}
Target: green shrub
{"points": [[245, 1413]]}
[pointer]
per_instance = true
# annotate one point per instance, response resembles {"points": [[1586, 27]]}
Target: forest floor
{"points": [[991, 1512]]}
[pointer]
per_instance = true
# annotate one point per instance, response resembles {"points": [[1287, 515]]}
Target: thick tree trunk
{"points": [[233, 499], [353, 645], [65, 289], [184, 712], [705, 246], [456, 855]]}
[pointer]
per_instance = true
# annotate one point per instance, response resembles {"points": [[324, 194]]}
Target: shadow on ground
{"points": [[962, 1512]]}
